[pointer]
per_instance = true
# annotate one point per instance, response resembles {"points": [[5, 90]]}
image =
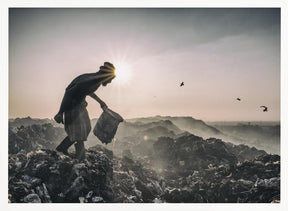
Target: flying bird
{"points": [[265, 109], [238, 99], [182, 84]]}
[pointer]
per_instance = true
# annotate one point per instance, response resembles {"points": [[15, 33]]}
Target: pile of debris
{"points": [[34, 137], [249, 181], [244, 152], [185, 169], [188, 153], [45, 176], [133, 183]]}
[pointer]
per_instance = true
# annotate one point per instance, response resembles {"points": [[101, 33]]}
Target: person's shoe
{"points": [[64, 145], [80, 150]]}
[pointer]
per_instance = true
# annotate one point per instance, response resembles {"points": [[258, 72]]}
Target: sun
{"points": [[123, 72]]}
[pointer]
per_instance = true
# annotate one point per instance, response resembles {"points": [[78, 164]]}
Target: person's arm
{"points": [[95, 97]]}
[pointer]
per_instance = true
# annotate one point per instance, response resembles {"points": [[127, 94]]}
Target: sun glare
{"points": [[123, 72]]}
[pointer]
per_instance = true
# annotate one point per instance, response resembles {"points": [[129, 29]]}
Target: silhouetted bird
{"points": [[182, 84], [265, 108], [238, 99]]}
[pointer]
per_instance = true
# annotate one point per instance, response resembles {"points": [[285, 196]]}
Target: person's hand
{"points": [[59, 118]]}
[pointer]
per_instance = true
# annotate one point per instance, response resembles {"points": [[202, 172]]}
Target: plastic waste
{"points": [[32, 198], [106, 126]]}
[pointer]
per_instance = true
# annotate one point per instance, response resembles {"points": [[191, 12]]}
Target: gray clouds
{"points": [[211, 48]]}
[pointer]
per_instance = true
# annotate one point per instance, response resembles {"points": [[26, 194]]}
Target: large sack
{"points": [[106, 126]]}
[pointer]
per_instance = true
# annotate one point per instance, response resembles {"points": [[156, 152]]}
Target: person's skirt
{"points": [[77, 124]]}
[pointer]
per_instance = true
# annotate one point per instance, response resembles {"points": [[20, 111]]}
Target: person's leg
{"points": [[80, 150], [64, 145]]}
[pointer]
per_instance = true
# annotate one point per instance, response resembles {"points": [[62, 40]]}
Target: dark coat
{"points": [[76, 118], [79, 88]]}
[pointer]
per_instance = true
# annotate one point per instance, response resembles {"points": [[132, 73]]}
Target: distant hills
{"points": [[262, 135], [194, 126], [27, 121]]}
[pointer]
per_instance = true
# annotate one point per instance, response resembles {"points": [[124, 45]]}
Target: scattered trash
{"points": [[177, 169], [97, 199], [32, 198]]}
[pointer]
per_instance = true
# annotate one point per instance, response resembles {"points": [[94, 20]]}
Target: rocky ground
{"points": [[186, 169]]}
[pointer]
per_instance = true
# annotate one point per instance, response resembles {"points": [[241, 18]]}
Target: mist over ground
{"points": [[264, 135], [158, 159]]}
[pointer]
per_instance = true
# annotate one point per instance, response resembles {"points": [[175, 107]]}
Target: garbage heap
{"points": [[33, 137], [183, 155], [187, 169], [211, 171], [255, 181], [45, 176]]}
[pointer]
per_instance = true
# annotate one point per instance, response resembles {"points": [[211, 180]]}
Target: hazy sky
{"points": [[220, 54]]}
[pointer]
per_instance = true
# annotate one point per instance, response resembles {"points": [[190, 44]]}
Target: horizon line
{"points": [[182, 116]]}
